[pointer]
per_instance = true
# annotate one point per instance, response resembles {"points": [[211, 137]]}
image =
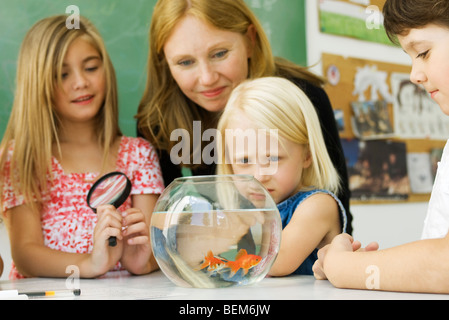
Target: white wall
{"points": [[388, 224]]}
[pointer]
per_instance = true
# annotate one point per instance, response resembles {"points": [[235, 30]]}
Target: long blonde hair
{"points": [[277, 103], [33, 124], [164, 107]]}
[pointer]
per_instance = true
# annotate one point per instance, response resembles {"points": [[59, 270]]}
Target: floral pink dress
{"points": [[67, 220]]}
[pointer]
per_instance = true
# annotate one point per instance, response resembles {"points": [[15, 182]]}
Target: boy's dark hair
{"points": [[402, 15]]}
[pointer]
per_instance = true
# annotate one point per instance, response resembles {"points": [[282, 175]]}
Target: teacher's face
{"points": [[207, 63]]}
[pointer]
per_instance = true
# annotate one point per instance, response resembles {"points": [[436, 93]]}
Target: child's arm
{"points": [[137, 255], [314, 224], [33, 259], [420, 266]]}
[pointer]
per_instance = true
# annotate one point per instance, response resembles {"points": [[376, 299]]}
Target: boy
{"points": [[422, 29]]}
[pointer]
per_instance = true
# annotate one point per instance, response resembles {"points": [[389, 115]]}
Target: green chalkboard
{"points": [[124, 26]]}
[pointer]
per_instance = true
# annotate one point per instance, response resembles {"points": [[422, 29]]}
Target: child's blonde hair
{"points": [[277, 103], [33, 125]]}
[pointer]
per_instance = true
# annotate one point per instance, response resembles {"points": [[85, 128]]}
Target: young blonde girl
{"points": [[294, 165], [62, 135]]}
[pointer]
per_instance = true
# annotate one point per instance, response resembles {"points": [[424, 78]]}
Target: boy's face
{"points": [[429, 49]]}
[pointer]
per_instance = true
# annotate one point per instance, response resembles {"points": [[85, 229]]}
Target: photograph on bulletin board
{"points": [[377, 169], [371, 120], [360, 19]]}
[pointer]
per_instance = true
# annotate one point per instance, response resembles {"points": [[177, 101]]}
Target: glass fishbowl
{"points": [[215, 231]]}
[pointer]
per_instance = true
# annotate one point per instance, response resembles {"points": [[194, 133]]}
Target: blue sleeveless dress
{"points": [[286, 210]]}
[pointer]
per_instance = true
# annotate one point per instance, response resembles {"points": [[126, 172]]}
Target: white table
{"points": [[122, 285]]}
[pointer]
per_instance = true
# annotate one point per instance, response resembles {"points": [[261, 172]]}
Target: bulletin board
{"points": [[341, 73]]}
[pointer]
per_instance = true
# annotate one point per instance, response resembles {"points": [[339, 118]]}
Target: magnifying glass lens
{"points": [[113, 188], [108, 191]]}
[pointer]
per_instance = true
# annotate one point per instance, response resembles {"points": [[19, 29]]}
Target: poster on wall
{"points": [[417, 116], [357, 19]]}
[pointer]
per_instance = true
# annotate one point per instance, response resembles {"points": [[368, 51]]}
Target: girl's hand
{"points": [[104, 257], [136, 242]]}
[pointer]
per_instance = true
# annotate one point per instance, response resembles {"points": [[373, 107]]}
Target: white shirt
{"points": [[436, 224]]}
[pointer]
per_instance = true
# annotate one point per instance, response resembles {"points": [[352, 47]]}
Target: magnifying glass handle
{"points": [[112, 241]]}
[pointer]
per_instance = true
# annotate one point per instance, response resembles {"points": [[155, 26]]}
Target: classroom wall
{"points": [[389, 224]]}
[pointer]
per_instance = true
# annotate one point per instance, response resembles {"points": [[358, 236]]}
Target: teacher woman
{"points": [[200, 50]]}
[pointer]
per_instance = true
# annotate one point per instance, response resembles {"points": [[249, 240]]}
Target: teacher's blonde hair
{"points": [[277, 103]]}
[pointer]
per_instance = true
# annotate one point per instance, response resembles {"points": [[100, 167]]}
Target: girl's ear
{"points": [[307, 157], [251, 34]]}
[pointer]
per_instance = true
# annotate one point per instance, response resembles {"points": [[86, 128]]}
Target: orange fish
{"points": [[212, 263], [244, 261]]}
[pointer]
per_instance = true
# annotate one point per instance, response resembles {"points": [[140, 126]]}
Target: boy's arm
{"points": [[420, 266]]}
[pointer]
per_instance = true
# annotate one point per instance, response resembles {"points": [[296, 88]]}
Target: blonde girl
{"points": [[293, 165], [62, 135]]}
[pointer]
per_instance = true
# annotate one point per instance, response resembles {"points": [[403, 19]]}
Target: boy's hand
{"points": [[341, 243]]}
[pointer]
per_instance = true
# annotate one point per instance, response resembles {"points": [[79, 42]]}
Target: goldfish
{"points": [[212, 263], [244, 261]]}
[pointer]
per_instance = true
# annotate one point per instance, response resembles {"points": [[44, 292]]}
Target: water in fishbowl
{"points": [[217, 248]]}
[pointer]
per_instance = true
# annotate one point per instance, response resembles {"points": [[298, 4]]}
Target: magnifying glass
{"points": [[112, 188]]}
